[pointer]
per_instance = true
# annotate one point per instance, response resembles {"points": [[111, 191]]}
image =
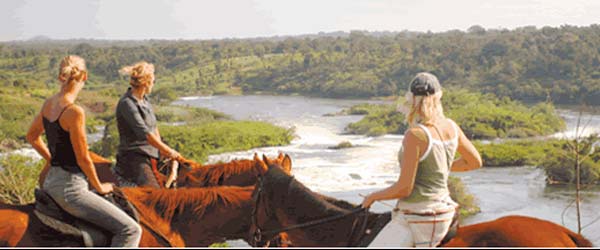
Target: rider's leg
{"points": [[136, 168], [396, 233], [71, 192]]}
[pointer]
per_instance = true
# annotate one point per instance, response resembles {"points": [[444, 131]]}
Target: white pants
{"points": [[407, 230]]}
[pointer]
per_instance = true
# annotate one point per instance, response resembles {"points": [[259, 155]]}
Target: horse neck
{"points": [[234, 173], [312, 208], [195, 216]]}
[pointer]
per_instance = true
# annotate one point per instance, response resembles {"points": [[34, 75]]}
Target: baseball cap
{"points": [[425, 84]]}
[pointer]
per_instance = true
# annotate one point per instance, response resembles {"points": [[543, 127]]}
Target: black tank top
{"points": [[60, 145]]}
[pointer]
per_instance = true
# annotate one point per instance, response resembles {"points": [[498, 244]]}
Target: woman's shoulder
{"points": [[74, 111], [416, 133]]}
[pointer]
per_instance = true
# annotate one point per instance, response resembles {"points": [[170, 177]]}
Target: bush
{"points": [[18, 178], [458, 193], [560, 167], [341, 145]]}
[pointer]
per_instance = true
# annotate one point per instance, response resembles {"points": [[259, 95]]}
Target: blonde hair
{"points": [[72, 69], [141, 73], [424, 109]]}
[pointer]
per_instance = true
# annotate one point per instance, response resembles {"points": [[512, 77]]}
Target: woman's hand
{"points": [[175, 155], [105, 188], [368, 201], [43, 174]]}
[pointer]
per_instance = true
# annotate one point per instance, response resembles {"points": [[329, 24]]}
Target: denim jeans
{"points": [[135, 170], [71, 193]]}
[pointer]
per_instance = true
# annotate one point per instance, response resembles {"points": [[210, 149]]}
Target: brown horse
{"points": [[182, 217], [234, 173], [283, 202], [177, 217]]}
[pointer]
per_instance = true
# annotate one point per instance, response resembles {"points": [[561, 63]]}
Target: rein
{"points": [[259, 233]]}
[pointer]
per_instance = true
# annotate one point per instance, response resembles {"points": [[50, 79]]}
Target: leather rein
{"points": [[259, 233]]}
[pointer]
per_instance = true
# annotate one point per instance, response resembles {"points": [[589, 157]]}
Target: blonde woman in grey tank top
{"points": [[424, 209]]}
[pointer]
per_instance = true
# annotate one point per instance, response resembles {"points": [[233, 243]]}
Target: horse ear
{"points": [[287, 164], [260, 166], [266, 160], [280, 157]]}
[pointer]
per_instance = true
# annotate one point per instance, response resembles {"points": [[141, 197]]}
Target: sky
{"points": [[217, 19]]}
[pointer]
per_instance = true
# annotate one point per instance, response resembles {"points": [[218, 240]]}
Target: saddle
{"points": [[53, 216]]}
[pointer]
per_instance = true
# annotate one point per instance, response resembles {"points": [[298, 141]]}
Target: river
{"points": [[372, 163]]}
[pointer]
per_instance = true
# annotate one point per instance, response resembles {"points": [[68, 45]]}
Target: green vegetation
{"points": [[171, 114], [459, 193], [21, 105], [18, 178], [518, 153], [220, 244], [16, 115], [555, 156], [528, 64], [198, 141], [481, 116], [560, 169], [341, 145], [380, 120]]}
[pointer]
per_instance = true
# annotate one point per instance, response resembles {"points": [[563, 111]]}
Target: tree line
{"points": [[558, 64]]}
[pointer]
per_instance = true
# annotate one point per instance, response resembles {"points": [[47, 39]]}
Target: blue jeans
{"points": [[71, 193]]}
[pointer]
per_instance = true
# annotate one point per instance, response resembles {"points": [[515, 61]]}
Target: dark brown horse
{"points": [[283, 202]]}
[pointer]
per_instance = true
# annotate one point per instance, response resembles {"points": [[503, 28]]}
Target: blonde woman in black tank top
{"points": [[69, 170]]}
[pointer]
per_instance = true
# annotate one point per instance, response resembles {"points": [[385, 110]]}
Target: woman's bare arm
{"points": [[470, 158], [74, 121], [34, 137]]}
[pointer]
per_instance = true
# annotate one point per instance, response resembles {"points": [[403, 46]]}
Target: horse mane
{"points": [[295, 191], [210, 175], [169, 202]]}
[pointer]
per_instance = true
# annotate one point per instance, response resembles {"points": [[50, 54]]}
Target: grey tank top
{"points": [[431, 180]]}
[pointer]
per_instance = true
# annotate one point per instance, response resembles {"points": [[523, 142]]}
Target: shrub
{"points": [[18, 178], [341, 145], [459, 193], [560, 168]]}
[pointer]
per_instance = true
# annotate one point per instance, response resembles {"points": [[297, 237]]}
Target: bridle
{"points": [[258, 234]]}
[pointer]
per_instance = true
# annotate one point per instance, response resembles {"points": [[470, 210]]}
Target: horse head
{"points": [[283, 204]]}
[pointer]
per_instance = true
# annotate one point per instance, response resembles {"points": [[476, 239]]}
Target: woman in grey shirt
{"points": [[140, 144]]}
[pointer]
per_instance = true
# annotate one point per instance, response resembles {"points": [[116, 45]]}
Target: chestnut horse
{"points": [[235, 173], [283, 202], [183, 217], [177, 217]]}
